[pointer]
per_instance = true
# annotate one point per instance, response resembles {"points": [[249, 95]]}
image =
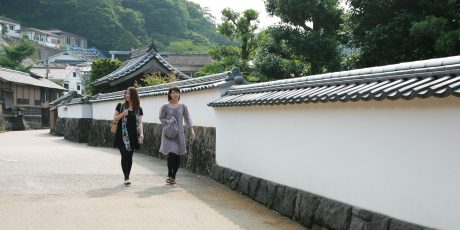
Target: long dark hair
{"points": [[134, 96], [173, 89]]}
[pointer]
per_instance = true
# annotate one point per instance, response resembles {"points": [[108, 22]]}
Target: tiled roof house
{"points": [[189, 64], [141, 62]]}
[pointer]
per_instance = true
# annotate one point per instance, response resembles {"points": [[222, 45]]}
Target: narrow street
{"points": [[50, 183]]}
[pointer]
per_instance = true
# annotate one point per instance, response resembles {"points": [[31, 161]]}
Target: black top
{"points": [[130, 125]]}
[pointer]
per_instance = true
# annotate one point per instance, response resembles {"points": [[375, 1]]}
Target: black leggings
{"points": [[173, 164], [126, 160]]}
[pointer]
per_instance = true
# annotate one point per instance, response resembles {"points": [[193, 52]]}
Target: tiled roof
{"points": [[54, 73], [8, 20], [65, 98], [60, 32], [24, 78], [435, 77], [194, 84], [86, 55], [188, 59], [40, 31], [138, 59]]}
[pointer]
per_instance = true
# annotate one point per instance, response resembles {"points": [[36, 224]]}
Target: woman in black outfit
{"points": [[130, 130]]}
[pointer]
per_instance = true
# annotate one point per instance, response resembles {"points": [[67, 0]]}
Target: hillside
{"points": [[174, 25]]}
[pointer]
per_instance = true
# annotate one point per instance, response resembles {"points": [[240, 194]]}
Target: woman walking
{"points": [[130, 130], [172, 116]]}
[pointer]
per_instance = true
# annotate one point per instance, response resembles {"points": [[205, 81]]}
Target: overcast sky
{"points": [[216, 6]]}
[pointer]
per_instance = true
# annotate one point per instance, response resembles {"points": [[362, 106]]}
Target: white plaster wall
{"points": [[196, 101], [87, 111], [398, 158], [75, 111], [14, 33], [104, 110], [62, 111]]}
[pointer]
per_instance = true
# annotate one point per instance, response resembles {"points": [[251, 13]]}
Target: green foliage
{"points": [[132, 21], [388, 31], [100, 68], [325, 15], [239, 28], [242, 28], [4, 29], [14, 55], [186, 47], [273, 60], [156, 79], [295, 40], [225, 57], [120, 24]]}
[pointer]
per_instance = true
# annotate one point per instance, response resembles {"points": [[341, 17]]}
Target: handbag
{"points": [[171, 130], [114, 127]]}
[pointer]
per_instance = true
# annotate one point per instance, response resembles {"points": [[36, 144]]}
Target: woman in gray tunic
{"points": [[174, 147]]}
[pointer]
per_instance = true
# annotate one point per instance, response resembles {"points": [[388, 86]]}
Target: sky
{"points": [[216, 6]]}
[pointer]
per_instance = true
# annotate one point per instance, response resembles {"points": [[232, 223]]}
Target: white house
{"points": [[75, 81], [72, 78], [11, 26], [68, 39], [41, 37]]}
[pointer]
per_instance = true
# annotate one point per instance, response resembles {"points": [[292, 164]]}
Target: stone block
{"points": [[252, 186], [401, 225], [271, 194], [261, 193], [243, 185], [234, 179], [306, 205], [287, 205], [333, 215]]}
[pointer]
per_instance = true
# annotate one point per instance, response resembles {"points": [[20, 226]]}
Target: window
{"points": [[22, 101], [74, 74], [66, 85], [78, 87], [11, 28]]}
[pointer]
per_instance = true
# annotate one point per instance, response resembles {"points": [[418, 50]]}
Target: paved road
{"points": [[47, 182]]}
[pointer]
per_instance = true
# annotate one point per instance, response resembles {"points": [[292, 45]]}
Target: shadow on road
{"points": [[101, 192]]}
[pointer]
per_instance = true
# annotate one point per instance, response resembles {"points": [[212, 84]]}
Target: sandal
{"points": [[170, 181]]}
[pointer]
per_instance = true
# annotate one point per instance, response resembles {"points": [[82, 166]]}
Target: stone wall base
{"points": [[28, 122], [201, 151], [313, 211], [77, 130]]}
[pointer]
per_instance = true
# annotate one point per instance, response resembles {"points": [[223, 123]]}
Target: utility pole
{"points": [[46, 65]]}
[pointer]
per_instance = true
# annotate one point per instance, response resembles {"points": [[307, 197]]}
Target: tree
{"points": [[392, 31], [100, 68], [118, 24], [4, 29], [241, 27], [274, 60], [225, 57], [314, 44], [14, 55], [155, 78]]}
